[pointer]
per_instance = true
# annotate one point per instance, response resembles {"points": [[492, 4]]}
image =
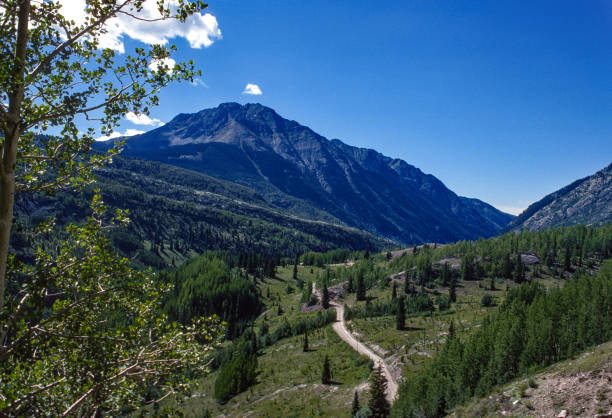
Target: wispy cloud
{"points": [[200, 30], [128, 132], [142, 119], [252, 89], [198, 82]]}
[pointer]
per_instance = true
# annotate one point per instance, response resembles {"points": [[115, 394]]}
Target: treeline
{"points": [[339, 255], [533, 328], [560, 251], [412, 304]]}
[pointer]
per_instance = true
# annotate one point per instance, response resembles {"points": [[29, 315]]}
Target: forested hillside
{"points": [[532, 328], [455, 320], [176, 214]]}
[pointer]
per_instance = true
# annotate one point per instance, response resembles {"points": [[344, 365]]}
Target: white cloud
{"points": [[143, 119], [513, 210], [200, 30], [252, 89], [168, 62], [115, 134]]}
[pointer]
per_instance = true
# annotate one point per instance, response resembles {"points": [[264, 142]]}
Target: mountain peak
{"points": [[253, 145]]}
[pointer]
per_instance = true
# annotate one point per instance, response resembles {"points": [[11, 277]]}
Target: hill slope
{"points": [[177, 213], [586, 201], [254, 146]]}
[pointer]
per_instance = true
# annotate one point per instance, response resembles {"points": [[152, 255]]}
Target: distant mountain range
{"points": [[295, 169], [586, 201]]}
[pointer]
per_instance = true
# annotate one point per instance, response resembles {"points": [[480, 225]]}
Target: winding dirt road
{"points": [[346, 336], [343, 332]]}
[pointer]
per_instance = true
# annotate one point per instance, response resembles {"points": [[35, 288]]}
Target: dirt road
{"points": [[343, 332], [346, 336]]}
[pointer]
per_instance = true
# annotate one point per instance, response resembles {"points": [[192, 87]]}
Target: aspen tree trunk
{"points": [[12, 132]]}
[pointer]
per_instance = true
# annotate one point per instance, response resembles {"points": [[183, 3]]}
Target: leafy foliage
{"points": [[83, 332]]}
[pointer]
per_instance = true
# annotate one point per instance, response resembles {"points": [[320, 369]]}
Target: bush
{"points": [[487, 300]]}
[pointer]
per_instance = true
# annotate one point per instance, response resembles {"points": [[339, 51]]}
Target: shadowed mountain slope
{"points": [[288, 163]]}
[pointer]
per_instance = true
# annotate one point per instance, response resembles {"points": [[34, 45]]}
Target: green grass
{"points": [[289, 382]]}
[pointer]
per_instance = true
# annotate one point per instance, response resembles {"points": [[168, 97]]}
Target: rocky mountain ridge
{"points": [[254, 146]]}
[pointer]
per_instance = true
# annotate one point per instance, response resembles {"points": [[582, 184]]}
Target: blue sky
{"points": [[505, 101]]}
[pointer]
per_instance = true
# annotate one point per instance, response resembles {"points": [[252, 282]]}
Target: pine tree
{"points": [[326, 373], [305, 348], [492, 284], [400, 315], [349, 287], [366, 255], [451, 329], [378, 403], [567, 263], [325, 297], [295, 269], [394, 291], [452, 290], [355, 407], [361, 290], [519, 270]]}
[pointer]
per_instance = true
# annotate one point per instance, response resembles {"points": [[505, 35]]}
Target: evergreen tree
{"points": [[394, 291], [567, 262], [325, 297], [452, 290], [355, 407], [295, 268], [366, 255], [445, 274], [400, 315], [326, 373], [349, 287], [519, 270], [492, 284], [378, 403], [361, 290], [305, 347]]}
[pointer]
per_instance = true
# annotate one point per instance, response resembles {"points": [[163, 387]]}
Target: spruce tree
{"points": [[452, 290], [325, 297], [295, 269], [378, 403], [349, 287], [400, 315], [305, 347], [567, 262], [394, 291], [492, 284], [361, 290], [326, 373], [355, 407]]}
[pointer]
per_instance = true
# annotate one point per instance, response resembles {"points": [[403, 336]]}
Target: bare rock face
{"points": [[586, 201], [252, 145]]}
